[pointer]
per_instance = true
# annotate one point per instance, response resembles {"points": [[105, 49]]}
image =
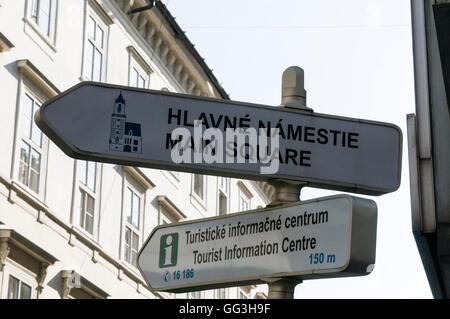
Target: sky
{"points": [[357, 58]]}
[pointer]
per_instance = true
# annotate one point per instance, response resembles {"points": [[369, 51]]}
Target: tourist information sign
{"points": [[327, 237], [147, 128]]}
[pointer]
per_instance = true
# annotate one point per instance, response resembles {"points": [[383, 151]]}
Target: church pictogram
{"points": [[124, 136]]}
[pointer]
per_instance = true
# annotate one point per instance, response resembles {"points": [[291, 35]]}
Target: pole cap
{"points": [[293, 93]]}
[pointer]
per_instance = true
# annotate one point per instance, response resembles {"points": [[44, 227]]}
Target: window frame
{"points": [[19, 286], [81, 188], [225, 192], [243, 196], [202, 198], [31, 23], [21, 273], [36, 8], [139, 76], [28, 89], [135, 188], [198, 294], [218, 293], [90, 13], [142, 67]]}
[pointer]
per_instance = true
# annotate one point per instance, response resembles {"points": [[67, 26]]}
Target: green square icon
{"points": [[168, 250]]}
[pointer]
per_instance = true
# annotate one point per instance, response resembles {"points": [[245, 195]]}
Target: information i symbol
{"points": [[168, 251]]}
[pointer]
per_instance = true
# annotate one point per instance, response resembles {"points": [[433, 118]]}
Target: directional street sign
{"points": [[327, 237], [155, 129]]}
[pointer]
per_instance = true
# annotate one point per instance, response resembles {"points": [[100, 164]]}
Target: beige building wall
{"points": [[44, 242]]}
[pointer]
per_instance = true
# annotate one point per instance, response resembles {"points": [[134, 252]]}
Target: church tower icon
{"points": [[124, 136]]}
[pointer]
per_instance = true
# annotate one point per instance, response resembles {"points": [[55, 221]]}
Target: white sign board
{"points": [[122, 125], [332, 236]]}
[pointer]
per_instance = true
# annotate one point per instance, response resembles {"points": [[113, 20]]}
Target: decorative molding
{"points": [[5, 44], [149, 25], [178, 68], [12, 196], [4, 248], [72, 239], [30, 248], [99, 9], [41, 276], [137, 174], [66, 287], [191, 85], [95, 256], [245, 189], [71, 279], [9, 238], [30, 71], [260, 295], [140, 59], [41, 216], [171, 208], [265, 188]]}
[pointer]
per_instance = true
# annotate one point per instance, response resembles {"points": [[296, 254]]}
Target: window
{"points": [[132, 208], [131, 246], [86, 194], [222, 195], [135, 186], [18, 289], [198, 192], [244, 197], [139, 69], [132, 225], [223, 184], [244, 202], [198, 186], [30, 154], [30, 145], [136, 79], [41, 13], [195, 295], [94, 50], [221, 293], [40, 23]]}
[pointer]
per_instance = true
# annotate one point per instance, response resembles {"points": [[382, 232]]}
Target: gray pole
{"points": [[293, 95]]}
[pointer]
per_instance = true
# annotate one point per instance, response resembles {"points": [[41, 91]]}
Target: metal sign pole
{"points": [[283, 288], [293, 95]]}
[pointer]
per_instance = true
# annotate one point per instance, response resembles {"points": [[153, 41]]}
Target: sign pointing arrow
{"points": [[147, 128], [327, 237]]}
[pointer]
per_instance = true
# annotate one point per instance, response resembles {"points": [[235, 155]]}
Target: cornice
{"points": [[156, 32]]}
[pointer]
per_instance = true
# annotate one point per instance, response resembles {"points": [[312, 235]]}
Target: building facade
{"points": [[71, 228]]}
